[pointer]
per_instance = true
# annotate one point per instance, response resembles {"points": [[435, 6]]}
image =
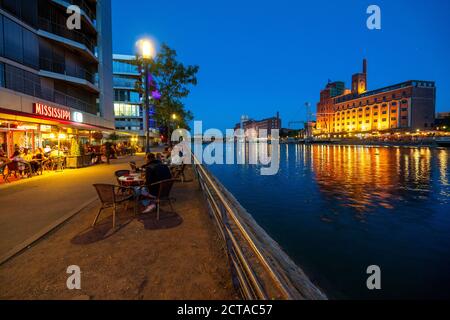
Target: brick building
{"points": [[407, 106], [266, 124]]}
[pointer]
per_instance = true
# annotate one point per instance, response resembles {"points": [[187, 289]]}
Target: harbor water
{"points": [[338, 209]]}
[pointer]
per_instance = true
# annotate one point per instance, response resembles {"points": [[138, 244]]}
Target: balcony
{"points": [[27, 83], [127, 83], [62, 31], [64, 69]]}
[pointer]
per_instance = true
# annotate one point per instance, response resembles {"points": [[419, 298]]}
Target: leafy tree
{"points": [[172, 80]]}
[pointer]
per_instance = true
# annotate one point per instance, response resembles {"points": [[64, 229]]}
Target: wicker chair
{"points": [[110, 199], [178, 172], [118, 174], [15, 166], [2, 172], [165, 186]]}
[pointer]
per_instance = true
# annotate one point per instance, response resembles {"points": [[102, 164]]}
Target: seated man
{"points": [[150, 160], [155, 172]]}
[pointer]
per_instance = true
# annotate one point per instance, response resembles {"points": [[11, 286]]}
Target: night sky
{"points": [[259, 57]]}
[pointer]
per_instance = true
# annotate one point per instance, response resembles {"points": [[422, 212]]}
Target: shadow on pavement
{"points": [[103, 229], [167, 220]]}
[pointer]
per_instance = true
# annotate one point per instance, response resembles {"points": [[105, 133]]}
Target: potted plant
{"points": [[75, 159]]}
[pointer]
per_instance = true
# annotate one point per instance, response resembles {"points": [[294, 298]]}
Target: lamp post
{"points": [[174, 119], [147, 52]]}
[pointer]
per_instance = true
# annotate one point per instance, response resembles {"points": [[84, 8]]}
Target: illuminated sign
{"points": [[51, 112], [78, 117], [27, 127], [46, 128]]}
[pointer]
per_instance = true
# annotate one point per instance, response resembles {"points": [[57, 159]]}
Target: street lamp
{"points": [[174, 119], [147, 51]]}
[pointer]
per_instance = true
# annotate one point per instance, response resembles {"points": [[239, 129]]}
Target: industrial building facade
{"points": [[404, 107]]}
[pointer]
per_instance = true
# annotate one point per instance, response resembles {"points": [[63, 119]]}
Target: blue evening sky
{"points": [[257, 57]]}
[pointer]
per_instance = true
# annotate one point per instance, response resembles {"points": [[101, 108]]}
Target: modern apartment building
{"points": [[54, 82], [407, 106]]}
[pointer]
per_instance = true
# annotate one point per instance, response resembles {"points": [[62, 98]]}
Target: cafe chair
{"points": [[111, 199], [19, 167], [4, 172], [178, 172], [118, 174], [164, 189]]}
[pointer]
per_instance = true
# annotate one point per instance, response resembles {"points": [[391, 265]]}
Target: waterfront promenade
{"points": [[179, 257], [30, 206]]}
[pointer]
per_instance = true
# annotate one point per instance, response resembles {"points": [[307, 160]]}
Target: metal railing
{"points": [[63, 31], [66, 69], [31, 85], [85, 7], [262, 270]]}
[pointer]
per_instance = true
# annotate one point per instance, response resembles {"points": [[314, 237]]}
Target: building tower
{"points": [[359, 80]]}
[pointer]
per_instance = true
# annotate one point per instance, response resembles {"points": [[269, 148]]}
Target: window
{"points": [[394, 111], [124, 82], [1, 36], [30, 49], [126, 110], [2, 75], [13, 40], [375, 113], [393, 119], [124, 67], [384, 120]]}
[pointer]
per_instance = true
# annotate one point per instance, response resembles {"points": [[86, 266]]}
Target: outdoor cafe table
{"points": [[132, 180]]}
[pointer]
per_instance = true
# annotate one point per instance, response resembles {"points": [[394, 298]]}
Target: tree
{"points": [[170, 82]]}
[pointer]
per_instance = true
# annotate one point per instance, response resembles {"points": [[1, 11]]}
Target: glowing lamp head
{"points": [[147, 49], [174, 116]]}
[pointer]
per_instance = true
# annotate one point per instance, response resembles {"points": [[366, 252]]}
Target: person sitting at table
{"points": [[27, 156], [37, 159], [150, 160], [56, 153], [154, 173], [20, 162], [3, 158]]}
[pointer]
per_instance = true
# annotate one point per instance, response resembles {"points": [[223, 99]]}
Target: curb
{"points": [[25, 244]]}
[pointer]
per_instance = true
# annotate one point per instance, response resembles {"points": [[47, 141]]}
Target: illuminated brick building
{"points": [[407, 106]]}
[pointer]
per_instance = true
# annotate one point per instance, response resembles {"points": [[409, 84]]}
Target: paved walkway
{"points": [[29, 206], [180, 256]]}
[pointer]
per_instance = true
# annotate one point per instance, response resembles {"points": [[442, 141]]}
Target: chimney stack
{"points": [[365, 66]]}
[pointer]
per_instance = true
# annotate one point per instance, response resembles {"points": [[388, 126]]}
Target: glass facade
{"points": [[126, 96], [124, 67], [126, 110], [124, 82], [18, 44]]}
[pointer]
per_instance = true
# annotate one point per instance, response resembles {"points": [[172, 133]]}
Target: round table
{"points": [[132, 180]]}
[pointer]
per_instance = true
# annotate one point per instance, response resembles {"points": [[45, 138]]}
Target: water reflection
{"points": [[337, 209], [364, 177]]}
